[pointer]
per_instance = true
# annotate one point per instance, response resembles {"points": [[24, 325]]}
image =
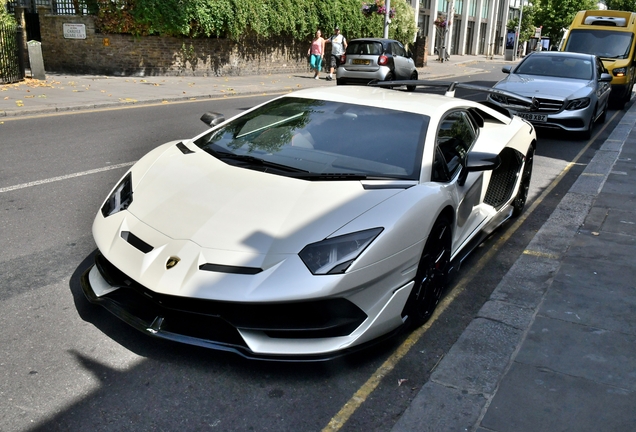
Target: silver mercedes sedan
{"points": [[571, 90]]}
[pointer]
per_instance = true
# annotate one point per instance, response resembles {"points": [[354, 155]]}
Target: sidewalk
{"points": [[554, 347], [62, 92]]}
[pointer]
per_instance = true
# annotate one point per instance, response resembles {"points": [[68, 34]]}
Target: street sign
{"points": [[74, 31]]}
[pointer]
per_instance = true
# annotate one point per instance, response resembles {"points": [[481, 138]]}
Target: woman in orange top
{"points": [[317, 52]]}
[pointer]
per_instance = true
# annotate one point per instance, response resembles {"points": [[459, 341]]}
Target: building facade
{"points": [[463, 27]]}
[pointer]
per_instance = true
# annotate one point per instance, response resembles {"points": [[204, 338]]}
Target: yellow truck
{"points": [[610, 36]]}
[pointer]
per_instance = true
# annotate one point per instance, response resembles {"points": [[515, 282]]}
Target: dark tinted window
{"points": [[603, 43], [364, 48], [324, 137], [556, 66]]}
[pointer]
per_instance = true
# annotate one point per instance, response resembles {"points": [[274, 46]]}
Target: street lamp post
{"points": [[514, 54], [387, 18]]}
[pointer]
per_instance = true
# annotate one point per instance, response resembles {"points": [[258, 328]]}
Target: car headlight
{"points": [[121, 197], [335, 255], [620, 72], [578, 104]]}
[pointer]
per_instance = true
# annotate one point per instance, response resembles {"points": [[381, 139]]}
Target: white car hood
{"points": [[218, 206], [541, 87]]}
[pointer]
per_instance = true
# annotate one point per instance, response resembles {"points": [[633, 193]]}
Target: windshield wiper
{"points": [[341, 176], [254, 161]]}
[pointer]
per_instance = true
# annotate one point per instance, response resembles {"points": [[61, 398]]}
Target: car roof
{"points": [[381, 40], [568, 54], [428, 104]]}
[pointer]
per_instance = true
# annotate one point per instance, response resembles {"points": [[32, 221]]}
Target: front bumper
{"points": [[571, 121], [358, 74], [302, 331]]}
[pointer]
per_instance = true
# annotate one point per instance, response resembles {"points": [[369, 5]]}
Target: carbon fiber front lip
{"points": [[154, 330]]}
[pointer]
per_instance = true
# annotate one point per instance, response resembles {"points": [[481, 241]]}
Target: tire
{"points": [[432, 274], [603, 116], [413, 77], [389, 77], [520, 200], [587, 133]]}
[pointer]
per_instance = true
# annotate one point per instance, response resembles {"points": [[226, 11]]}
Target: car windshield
{"points": [[364, 48], [316, 139], [556, 66], [603, 43]]}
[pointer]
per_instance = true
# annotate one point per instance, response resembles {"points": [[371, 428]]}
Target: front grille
{"points": [[549, 105], [546, 106], [203, 318]]}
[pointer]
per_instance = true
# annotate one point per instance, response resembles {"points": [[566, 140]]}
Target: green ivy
{"points": [[5, 17], [234, 19]]}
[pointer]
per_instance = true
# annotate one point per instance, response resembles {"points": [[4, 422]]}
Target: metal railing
{"points": [[10, 70], [55, 7]]}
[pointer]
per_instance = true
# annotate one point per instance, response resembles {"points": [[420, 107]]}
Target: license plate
{"points": [[533, 117], [360, 62]]}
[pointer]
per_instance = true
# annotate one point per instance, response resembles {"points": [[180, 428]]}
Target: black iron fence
{"points": [[10, 68], [56, 7]]}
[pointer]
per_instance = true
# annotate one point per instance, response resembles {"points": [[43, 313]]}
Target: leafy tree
{"points": [[621, 5], [236, 19], [5, 17], [527, 24], [555, 16]]}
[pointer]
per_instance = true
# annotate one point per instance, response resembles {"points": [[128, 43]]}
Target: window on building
{"points": [[459, 7]]}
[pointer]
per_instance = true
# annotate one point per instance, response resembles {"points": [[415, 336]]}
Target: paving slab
{"points": [[533, 399], [596, 354], [580, 294]]}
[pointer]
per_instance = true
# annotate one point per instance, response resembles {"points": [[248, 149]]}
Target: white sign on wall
{"points": [[74, 31]]}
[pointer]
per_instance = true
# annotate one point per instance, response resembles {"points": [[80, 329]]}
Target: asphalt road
{"points": [[67, 365]]}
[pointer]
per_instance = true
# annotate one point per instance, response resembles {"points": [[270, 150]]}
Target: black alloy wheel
{"points": [[389, 77], [520, 200], [432, 274]]}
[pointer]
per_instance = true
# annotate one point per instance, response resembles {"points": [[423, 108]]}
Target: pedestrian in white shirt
{"points": [[338, 46]]}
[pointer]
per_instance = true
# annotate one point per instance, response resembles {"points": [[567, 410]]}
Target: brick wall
{"points": [[113, 54]]}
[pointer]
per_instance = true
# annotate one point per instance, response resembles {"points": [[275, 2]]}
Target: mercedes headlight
{"points": [[578, 104], [335, 255], [121, 197]]}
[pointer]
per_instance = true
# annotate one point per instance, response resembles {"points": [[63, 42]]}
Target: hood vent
{"points": [[136, 242], [185, 150], [230, 269]]}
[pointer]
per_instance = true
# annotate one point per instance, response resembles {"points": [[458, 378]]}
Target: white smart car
{"points": [[311, 225]]}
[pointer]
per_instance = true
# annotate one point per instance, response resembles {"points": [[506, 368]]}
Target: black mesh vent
{"points": [[504, 178]]}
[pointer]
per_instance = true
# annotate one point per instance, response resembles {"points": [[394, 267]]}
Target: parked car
{"points": [[311, 225], [371, 59], [572, 90]]}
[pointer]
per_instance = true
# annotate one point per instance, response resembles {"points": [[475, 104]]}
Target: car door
{"points": [[603, 89], [456, 134], [400, 60]]}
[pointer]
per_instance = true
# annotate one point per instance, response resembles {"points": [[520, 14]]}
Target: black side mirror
{"points": [[506, 69], [605, 77], [212, 118], [477, 161]]}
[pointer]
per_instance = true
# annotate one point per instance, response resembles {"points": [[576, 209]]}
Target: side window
{"points": [[455, 137], [398, 49]]}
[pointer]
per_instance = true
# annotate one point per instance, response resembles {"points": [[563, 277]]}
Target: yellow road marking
{"points": [[367, 388]]}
